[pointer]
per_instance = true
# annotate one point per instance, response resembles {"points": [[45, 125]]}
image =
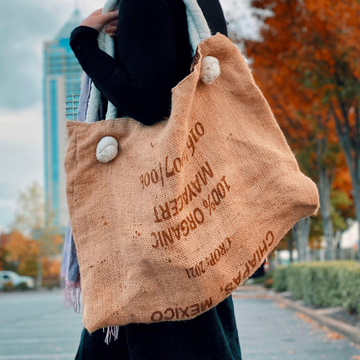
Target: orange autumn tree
{"points": [[23, 252], [21, 256], [311, 136], [307, 66], [51, 272], [32, 220]]}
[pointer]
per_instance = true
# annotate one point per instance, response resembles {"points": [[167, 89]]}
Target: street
{"points": [[35, 325]]}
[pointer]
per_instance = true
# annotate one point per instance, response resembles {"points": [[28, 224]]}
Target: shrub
{"points": [[322, 284], [295, 281], [350, 288], [266, 280], [280, 279], [268, 283]]}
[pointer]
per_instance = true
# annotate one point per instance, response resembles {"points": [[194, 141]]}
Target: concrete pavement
{"points": [[36, 326], [270, 331]]}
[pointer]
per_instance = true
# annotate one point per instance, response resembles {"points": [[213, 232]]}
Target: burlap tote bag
{"points": [[176, 215]]}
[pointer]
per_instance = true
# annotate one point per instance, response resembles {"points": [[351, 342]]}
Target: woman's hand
{"points": [[97, 21], [111, 27]]}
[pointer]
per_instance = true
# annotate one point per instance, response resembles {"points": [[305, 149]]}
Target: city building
{"points": [[61, 89]]}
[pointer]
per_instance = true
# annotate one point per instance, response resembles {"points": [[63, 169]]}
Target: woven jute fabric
{"points": [[190, 207]]}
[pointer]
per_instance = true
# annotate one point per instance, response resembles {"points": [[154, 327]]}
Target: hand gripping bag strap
{"points": [[198, 31], [106, 44]]}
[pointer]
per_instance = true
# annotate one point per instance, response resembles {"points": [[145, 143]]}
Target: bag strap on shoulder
{"points": [[198, 31]]}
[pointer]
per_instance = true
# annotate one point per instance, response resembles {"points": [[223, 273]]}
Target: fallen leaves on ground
{"points": [[306, 318], [335, 336], [329, 333]]}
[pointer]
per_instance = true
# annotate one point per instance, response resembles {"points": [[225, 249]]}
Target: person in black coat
{"points": [[152, 55]]}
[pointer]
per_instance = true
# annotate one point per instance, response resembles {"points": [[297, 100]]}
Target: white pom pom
{"points": [[107, 149], [210, 70]]}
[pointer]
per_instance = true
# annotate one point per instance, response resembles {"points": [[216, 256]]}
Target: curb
{"points": [[351, 332]]}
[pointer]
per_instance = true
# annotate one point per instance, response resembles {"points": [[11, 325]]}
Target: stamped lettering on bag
{"points": [[175, 166], [181, 313], [213, 258], [254, 262], [174, 206], [209, 201]]}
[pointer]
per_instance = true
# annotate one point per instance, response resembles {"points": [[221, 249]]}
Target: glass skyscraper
{"points": [[61, 89]]}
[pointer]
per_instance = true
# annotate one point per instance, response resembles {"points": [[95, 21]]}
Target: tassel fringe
{"points": [[72, 295], [111, 331], [72, 298]]}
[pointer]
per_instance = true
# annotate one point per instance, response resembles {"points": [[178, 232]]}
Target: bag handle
{"points": [[198, 31]]}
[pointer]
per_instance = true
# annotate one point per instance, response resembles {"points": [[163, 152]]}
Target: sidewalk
{"points": [[334, 318], [269, 329]]}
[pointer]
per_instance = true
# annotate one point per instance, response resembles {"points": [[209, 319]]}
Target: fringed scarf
{"points": [[70, 271]]}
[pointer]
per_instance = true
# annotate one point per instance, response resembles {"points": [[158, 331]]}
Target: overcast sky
{"points": [[24, 26]]}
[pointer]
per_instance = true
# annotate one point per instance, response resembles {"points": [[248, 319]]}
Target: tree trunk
{"points": [[350, 144], [290, 243], [39, 273], [324, 187], [301, 233], [337, 237], [357, 214]]}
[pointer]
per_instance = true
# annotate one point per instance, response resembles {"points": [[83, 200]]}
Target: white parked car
{"points": [[15, 279]]}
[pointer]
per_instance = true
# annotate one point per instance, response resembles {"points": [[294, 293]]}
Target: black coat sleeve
{"points": [[139, 82]]}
